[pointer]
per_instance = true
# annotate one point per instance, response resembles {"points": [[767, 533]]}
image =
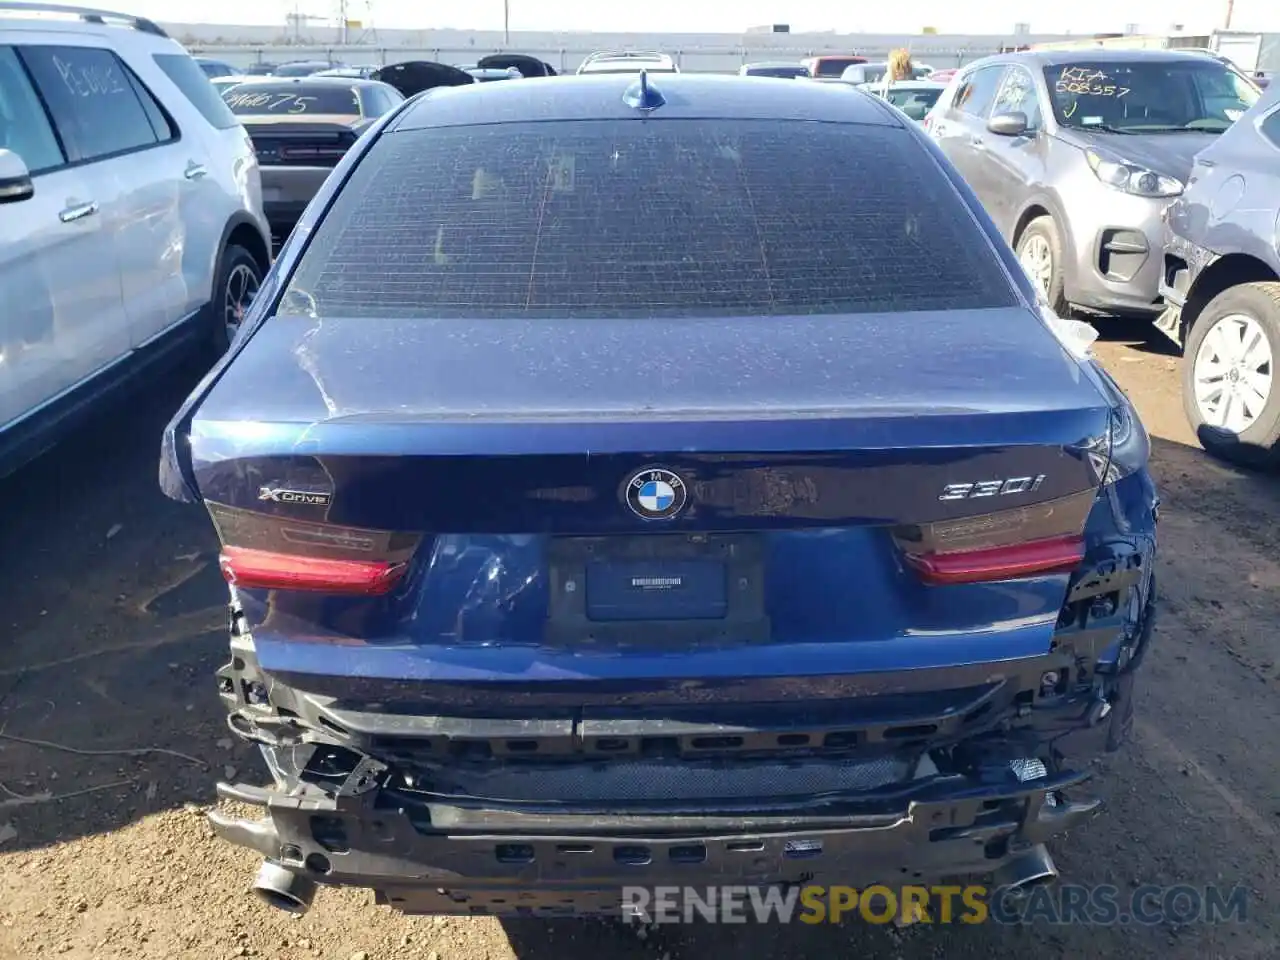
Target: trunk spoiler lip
{"points": [[1076, 432], [729, 373]]}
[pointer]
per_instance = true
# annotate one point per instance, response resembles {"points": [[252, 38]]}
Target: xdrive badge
{"points": [[280, 495]]}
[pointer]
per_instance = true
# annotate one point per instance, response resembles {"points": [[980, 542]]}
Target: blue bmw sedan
{"points": [[629, 480]]}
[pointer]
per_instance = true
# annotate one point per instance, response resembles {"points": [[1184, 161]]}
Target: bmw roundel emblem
{"points": [[656, 494]]}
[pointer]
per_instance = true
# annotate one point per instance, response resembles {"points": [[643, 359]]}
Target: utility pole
{"points": [[506, 22], [1231, 7]]}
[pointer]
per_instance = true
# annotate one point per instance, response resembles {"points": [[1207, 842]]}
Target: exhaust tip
{"points": [[280, 900], [284, 889], [1020, 876]]}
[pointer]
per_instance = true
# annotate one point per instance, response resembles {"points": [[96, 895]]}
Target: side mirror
{"points": [[1008, 124], [15, 178]]}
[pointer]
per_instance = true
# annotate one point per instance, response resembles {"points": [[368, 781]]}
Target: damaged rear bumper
{"points": [[433, 825], [582, 868]]}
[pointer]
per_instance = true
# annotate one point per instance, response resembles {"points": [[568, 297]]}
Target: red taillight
{"points": [[268, 570], [1034, 540], [1033, 558]]}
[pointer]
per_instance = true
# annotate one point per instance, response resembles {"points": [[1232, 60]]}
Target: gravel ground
{"points": [[111, 736]]}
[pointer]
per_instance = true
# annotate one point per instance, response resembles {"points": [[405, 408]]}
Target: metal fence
{"points": [[565, 60]]}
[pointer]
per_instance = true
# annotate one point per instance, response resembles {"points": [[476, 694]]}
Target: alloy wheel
{"points": [[1232, 373]]}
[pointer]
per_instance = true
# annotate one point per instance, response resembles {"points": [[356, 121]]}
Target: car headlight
{"points": [[1133, 179]]}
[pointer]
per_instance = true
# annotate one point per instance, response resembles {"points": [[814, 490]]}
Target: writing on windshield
{"points": [[291, 101], [269, 102], [1152, 95], [1088, 81]]}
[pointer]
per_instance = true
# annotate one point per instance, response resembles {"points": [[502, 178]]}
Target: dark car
{"points": [[304, 68], [414, 76], [831, 66], [783, 71], [630, 478], [215, 68], [1221, 282], [527, 66], [1075, 153], [301, 128]]}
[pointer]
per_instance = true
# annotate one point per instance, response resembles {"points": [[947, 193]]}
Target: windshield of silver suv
{"points": [[1149, 96]]}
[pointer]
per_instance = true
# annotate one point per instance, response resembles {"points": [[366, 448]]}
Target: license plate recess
{"points": [[657, 590]]}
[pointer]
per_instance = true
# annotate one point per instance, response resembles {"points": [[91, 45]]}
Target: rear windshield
{"points": [[292, 98], [1149, 96], [914, 103], [900, 96], [667, 218]]}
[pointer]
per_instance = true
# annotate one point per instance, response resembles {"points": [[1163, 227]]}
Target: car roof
{"points": [[1047, 58], [601, 97], [312, 80], [118, 29]]}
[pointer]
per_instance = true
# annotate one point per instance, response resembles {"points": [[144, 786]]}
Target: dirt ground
{"points": [[111, 736]]}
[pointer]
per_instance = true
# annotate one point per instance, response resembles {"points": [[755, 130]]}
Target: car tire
{"points": [[239, 279], [1239, 433], [1041, 244]]}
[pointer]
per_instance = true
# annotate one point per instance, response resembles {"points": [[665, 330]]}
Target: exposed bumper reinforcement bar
{"points": [[416, 869]]}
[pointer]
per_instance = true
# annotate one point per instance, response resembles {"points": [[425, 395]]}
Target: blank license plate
{"points": [[668, 589]]}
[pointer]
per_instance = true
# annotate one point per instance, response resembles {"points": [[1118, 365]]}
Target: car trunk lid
{"points": [[858, 494]]}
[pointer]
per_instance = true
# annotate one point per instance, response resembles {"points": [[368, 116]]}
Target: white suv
{"points": [[131, 223]]}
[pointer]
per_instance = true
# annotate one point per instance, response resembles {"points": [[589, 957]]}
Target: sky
{"points": [[731, 16]]}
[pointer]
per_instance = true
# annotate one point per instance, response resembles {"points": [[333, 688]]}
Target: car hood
{"points": [[414, 76], [1171, 154], [528, 66]]}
